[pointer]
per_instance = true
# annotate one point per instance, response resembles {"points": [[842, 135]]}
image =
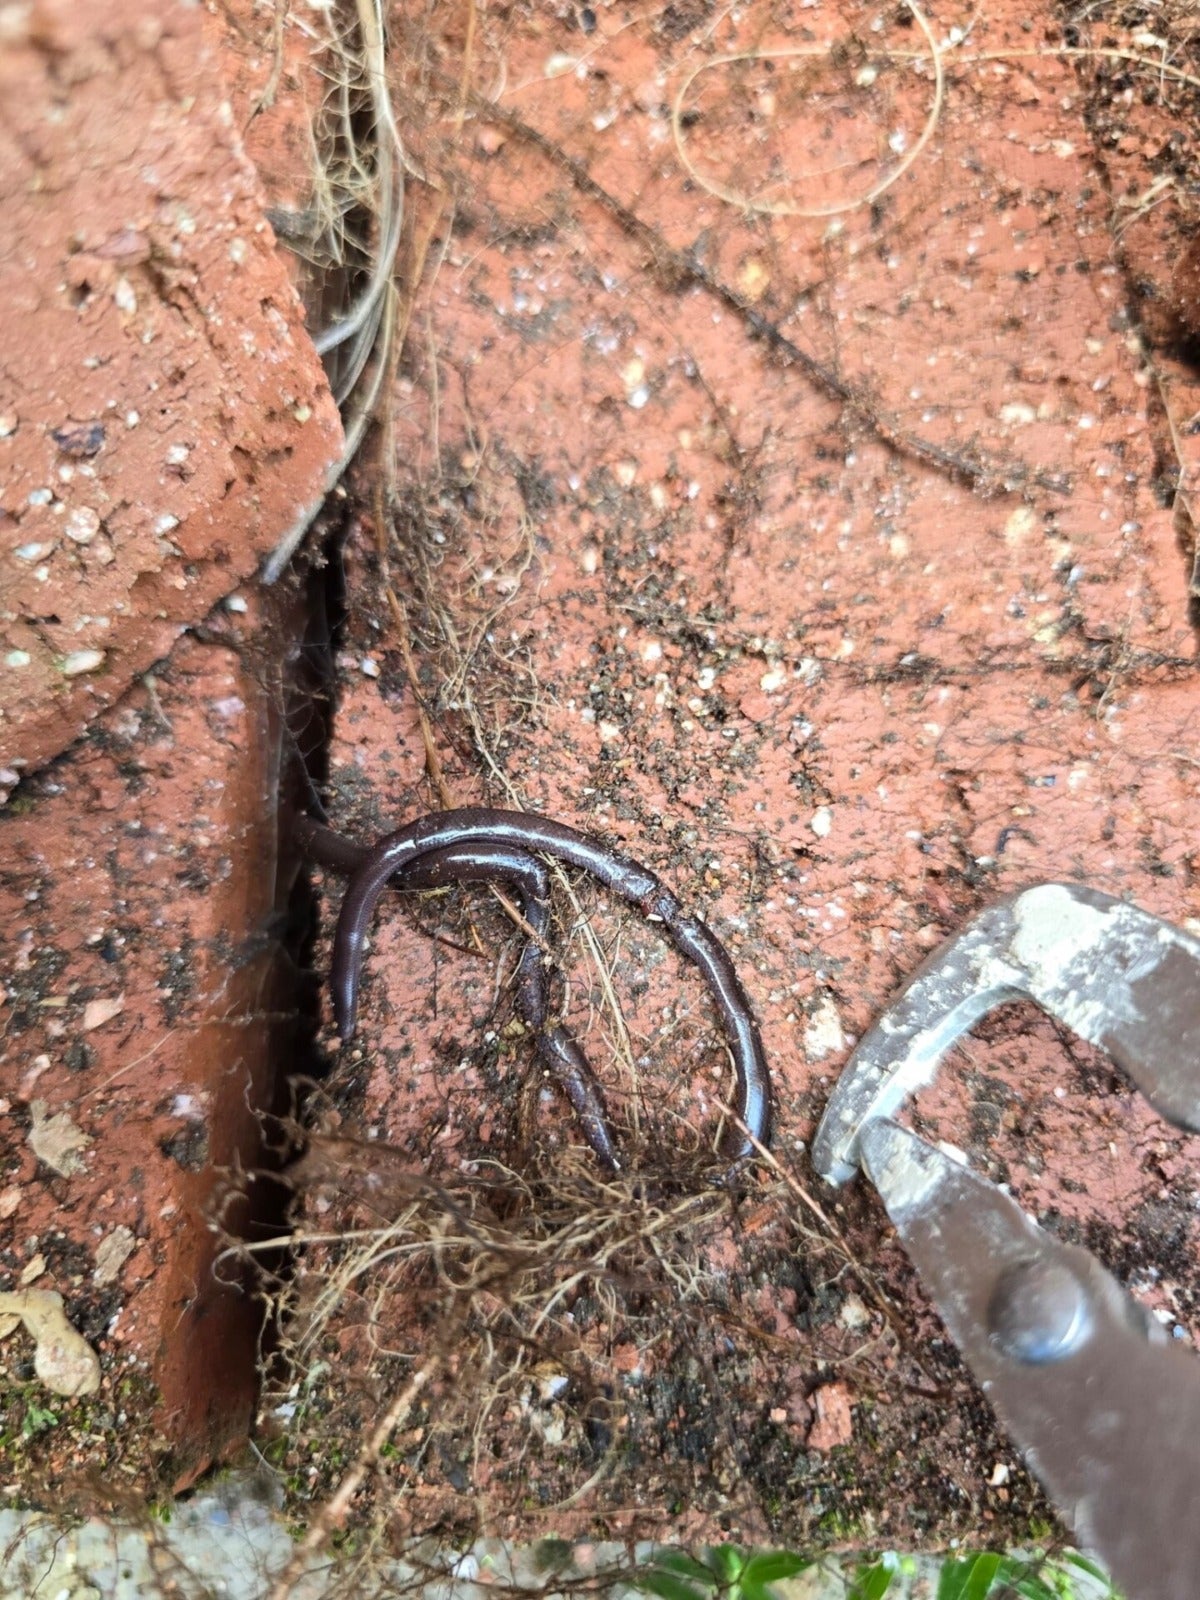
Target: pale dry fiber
{"points": [[350, 231]]}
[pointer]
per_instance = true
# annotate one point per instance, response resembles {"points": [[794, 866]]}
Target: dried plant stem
{"points": [[368, 327], [389, 170], [331, 1514], [789, 208]]}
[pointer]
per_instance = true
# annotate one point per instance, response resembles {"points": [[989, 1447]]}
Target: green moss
{"points": [[47, 1439]]}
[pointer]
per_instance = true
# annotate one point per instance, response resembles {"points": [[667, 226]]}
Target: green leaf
{"points": [[873, 1582], [969, 1579], [1073, 1558], [1030, 1585], [771, 1566], [1032, 1582], [1034, 1579], [666, 1585], [686, 1566], [749, 1590], [727, 1560], [37, 1420]]}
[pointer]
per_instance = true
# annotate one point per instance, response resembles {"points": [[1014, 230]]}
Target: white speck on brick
{"points": [[82, 524], [81, 661], [823, 1036]]}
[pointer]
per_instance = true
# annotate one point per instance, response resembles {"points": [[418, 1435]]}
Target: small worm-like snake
{"points": [[479, 844], [486, 863]]}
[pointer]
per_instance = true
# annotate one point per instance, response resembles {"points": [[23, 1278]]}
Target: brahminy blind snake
{"points": [[477, 843], [485, 863]]}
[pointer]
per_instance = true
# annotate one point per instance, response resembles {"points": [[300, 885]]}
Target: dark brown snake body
{"points": [[480, 844]]}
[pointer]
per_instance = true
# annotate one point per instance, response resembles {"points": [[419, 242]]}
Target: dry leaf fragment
{"points": [[56, 1140], [32, 1270], [112, 1253], [97, 1012], [63, 1359]]}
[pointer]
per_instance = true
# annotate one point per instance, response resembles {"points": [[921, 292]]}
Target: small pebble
{"points": [[82, 524], [834, 1424], [81, 661], [81, 440]]}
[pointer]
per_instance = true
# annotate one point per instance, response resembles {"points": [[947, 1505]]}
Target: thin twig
{"points": [[791, 208], [331, 1514]]}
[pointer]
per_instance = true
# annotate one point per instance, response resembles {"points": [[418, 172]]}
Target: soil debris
{"points": [[834, 1423]]}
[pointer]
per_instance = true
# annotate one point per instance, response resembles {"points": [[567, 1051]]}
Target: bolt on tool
{"points": [[1103, 1403]]}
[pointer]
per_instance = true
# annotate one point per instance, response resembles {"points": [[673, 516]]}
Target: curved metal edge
{"points": [[1116, 975]]}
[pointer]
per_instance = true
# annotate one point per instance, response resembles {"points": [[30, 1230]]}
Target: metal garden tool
{"points": [[1103, 1404]]}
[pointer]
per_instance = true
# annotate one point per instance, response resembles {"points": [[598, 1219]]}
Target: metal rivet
{"points": [[1039, 1312]]}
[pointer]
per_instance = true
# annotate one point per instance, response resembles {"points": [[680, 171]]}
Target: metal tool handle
{"points": [[1105, 1407]]}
